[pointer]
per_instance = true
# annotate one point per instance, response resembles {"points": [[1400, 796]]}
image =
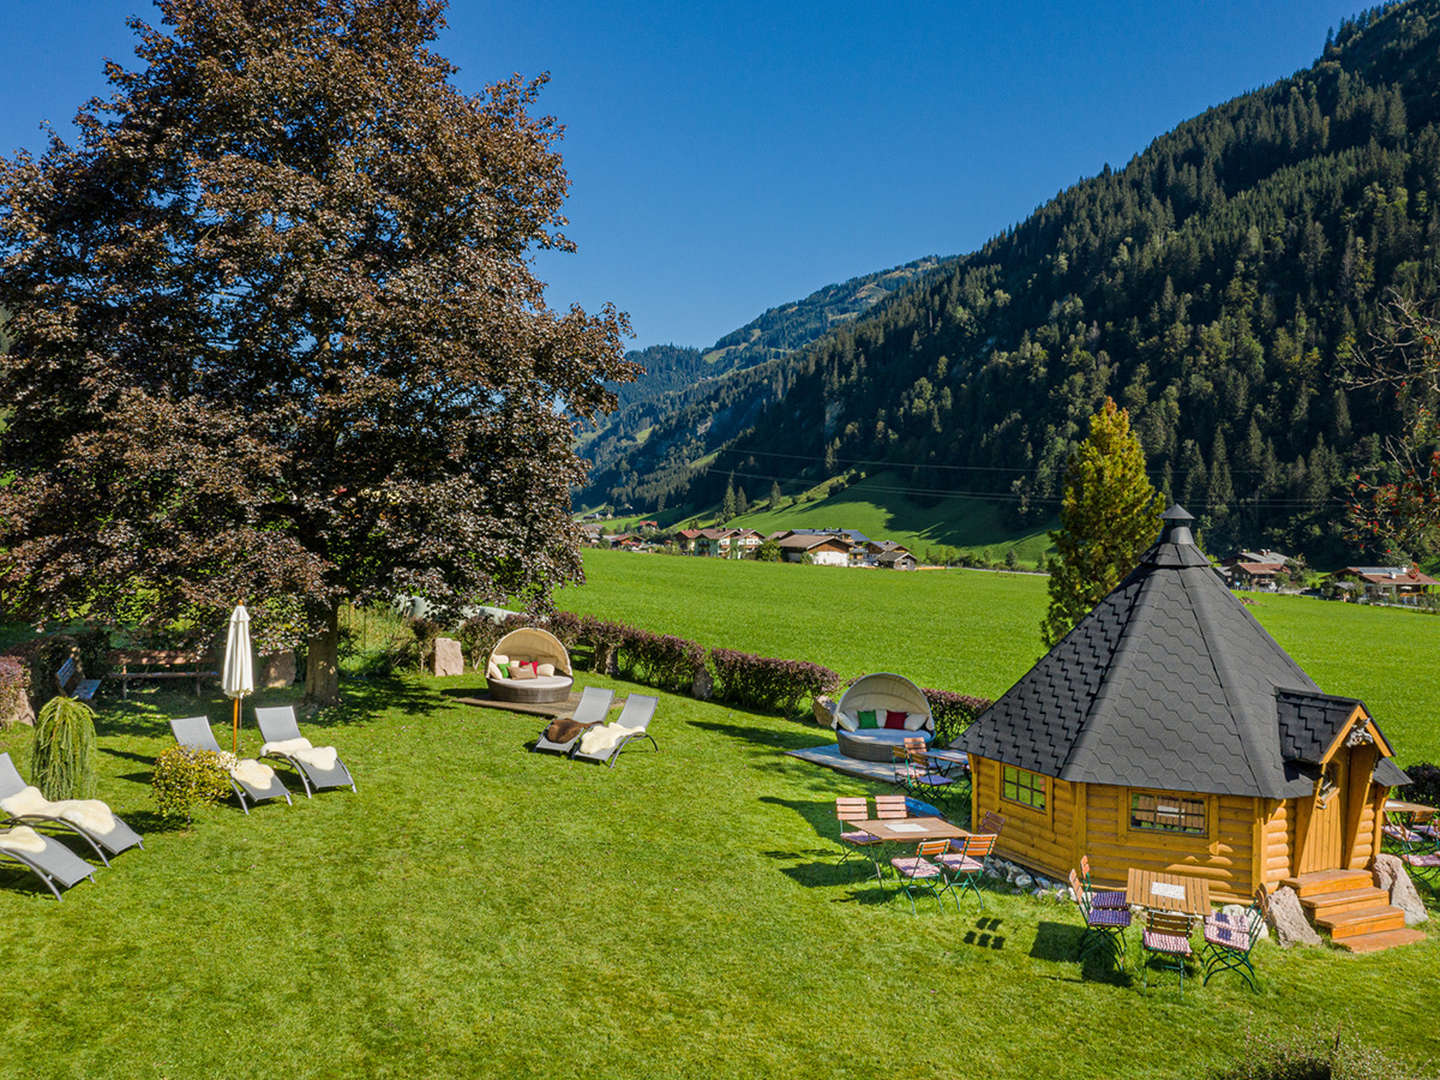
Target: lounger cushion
{"points": [[254, 773], [867, 719], [492, 670], [601, 738], [915, 721], [22, 838], [894, 720], [544, 670], [846, 721], [519, 672], [92, 815]]}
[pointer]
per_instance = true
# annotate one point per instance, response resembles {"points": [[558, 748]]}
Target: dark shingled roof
{"points": [[1170, 683]]}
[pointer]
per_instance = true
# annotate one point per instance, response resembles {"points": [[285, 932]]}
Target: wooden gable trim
{"points": [[1344, 733]]}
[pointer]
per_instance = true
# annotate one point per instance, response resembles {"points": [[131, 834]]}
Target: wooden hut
{"points": [[1168, 731]]}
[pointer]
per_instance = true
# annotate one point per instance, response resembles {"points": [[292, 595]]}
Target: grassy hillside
{"points": [[977, 632], [879, 508]]}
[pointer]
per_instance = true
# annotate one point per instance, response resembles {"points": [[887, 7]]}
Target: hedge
{"points": [[953, 712], [763, 683]]}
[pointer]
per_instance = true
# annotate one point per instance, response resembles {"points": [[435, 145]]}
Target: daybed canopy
{"points": [[530, 643], [883, 693]]}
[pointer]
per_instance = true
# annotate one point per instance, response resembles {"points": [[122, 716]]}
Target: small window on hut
{"points": [[1167, 813], [1026, 788]]}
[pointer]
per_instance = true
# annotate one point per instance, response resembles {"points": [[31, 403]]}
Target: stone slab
{"points": [[449, 657]]}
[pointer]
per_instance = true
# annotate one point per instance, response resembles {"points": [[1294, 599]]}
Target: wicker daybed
{"points": [[529, 645], [892, 699]]}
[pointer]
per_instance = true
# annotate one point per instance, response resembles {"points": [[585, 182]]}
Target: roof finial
{"points": [[1176, 527]]}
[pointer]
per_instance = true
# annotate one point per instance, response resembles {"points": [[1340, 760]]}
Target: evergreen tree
{"points": [[727, 504], [742, 501], [774, 494], [1109, 514]]}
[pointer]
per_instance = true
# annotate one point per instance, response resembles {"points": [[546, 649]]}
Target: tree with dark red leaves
{"points": [[274, 335]]}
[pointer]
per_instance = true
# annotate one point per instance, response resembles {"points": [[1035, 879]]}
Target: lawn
{"points": [[479, 911], [976, 631]]}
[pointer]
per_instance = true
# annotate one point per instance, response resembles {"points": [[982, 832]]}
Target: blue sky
{"points": [[729, 157]]}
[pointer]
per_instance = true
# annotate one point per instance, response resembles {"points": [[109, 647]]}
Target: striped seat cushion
{"points": [[933, 780], [960, 864], [1404, 835], [1108, 898], [1109, 917], [1170, 943], [916, 867], [859, 838], [1433, 859], [1227, 934]]}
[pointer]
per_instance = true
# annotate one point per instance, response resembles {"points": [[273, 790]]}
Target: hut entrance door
{"points": [[1323, 818]]}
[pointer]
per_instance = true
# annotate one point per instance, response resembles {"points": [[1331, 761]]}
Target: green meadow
{"points": [[977, 631]]}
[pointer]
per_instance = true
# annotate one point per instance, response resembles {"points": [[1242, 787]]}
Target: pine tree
{"points": [[774, 494], [1109, 514], [742, 501], [727, 504]]}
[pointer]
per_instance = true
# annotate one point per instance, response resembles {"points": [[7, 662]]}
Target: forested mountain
{"points": [[670, 370], [1215, 286]]}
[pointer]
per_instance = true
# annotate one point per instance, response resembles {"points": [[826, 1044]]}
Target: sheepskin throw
{"points": [[23, 838], [317, 757], [601, 739], [92, 815], [252, 773]]}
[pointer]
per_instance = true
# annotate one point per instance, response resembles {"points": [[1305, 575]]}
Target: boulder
{"points": [[1287, 918], [1390, 874], [449, 657], [703, 686], [1023, 881], [15, 706], [824, 710], [1239, 914]]}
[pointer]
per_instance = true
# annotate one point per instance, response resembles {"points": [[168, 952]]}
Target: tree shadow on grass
{"points": [[781, 740]]}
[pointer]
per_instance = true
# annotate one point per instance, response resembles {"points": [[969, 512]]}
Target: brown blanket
{"points": [[564, 729]]}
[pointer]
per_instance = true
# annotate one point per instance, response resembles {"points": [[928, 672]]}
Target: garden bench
{"points": [[169, 660], [67, 677]]}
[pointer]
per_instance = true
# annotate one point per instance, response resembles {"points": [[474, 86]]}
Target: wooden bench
{"points": [[167, 659], [69, 681]]}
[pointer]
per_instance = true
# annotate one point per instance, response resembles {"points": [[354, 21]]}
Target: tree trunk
{"points": [[322, 665]]}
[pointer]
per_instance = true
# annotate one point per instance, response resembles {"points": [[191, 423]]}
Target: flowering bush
{"points": [[185, 778], [764, 683], [953, 712]]}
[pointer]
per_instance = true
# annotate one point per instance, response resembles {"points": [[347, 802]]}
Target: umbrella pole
{"points": [[235, 739]]}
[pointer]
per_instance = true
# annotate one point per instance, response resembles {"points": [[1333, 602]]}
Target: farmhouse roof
{"points": [[688, 534], [893, 556], [855, 536], [1390, 575], [1260, 569], [1169, 682], [806, 541]]}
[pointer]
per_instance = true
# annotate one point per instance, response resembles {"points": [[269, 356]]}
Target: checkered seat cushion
{"points": [[1170, 943]]}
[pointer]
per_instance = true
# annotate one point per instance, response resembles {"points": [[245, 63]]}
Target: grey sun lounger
{"points": [[639, 710], [56, 865], [279, 725], [594, 704], [120, 837], [194, 731]]}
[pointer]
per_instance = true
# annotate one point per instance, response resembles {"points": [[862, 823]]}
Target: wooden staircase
{"points": [[1358, 916]]}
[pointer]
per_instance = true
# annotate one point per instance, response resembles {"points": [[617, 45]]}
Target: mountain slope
{"points": [[1215, 286], [674, 372]]}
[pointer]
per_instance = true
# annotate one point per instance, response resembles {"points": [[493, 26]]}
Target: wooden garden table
{"points": [[911, 830], [1416, 812], [1168, 892]]}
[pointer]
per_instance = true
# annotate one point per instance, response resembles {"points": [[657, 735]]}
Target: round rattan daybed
{"points": [[885, 695], [530, 645]]}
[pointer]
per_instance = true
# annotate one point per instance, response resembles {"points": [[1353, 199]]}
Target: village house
{"points": [[1392, 584], [1254, 569], [590, 534], [824, 550], [685, 540], [896, 559]]}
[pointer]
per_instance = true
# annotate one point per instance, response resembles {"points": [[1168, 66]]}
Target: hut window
{"points": [[1167, 813], [1024, 787]]}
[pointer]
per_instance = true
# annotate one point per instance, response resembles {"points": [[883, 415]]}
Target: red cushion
{"points": [[894, 720]]}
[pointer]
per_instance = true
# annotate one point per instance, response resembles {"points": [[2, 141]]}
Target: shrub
{"points": [[1317, 1057], [764, 683], [660, 659], [953, 712], [185, 778], [1424, 783], [62, 764]]}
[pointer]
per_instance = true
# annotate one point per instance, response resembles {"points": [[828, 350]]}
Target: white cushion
{"points": [[915, 721], [545, 669], [499, 658], [846, 721], [492, 670]]}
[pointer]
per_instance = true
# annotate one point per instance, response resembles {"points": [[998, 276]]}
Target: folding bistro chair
{"points": [[967, 865], [917, 871], [1228, 940], [1101, 898], [848, 810], [1104, 927], [1166, 934]]}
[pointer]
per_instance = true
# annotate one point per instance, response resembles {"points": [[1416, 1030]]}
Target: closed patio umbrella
{"points": [[238, 676]]}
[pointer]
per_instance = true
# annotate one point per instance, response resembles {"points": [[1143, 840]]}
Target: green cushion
{"points": [[504, 670], [867, 718]]}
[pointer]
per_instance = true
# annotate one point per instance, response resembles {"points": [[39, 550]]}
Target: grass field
{"points": [[976, 632], [479, 911]]}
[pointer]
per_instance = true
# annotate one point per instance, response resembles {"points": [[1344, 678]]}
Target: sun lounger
{"points": [[636, 716], [248, 781], [319, 767], [594, 704], [89, 819], [51, 861]]}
